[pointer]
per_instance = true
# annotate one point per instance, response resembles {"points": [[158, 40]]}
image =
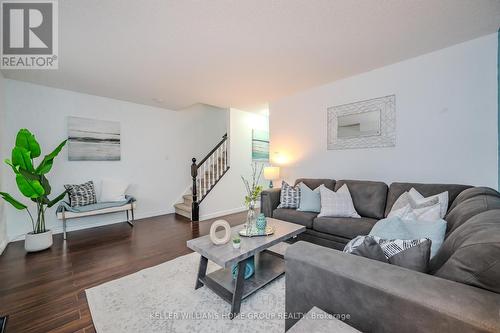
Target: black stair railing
{"points": [[207, 173]]}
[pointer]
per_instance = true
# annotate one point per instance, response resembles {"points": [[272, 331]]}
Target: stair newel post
{"points": [[195, 208]]}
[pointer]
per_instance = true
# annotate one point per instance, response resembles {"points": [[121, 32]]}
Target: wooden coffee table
{"points": [[269, 264]]}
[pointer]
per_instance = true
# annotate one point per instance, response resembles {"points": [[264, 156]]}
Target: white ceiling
{"points": [[243, 53]]}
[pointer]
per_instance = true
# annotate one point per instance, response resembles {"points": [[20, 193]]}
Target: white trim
{"points": [[225, 212], [75, 227], [3, 245], [71, 226]]}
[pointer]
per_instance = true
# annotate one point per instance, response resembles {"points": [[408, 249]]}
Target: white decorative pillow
{"points": [[442, 199], [337, 204], [406, 208], [113, 190]]}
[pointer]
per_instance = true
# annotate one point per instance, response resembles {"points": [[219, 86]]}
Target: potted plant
{"points": [[33, 184], [253, 190], [236, 242]]}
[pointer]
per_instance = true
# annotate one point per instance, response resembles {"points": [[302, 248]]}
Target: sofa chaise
{"points": [[460, 293]]}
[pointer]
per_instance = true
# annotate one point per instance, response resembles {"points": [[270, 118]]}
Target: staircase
{"points": [[205, 175]]}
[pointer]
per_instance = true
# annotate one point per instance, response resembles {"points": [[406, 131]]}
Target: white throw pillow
{"points": [[337, 204], [407, 208], [442, 199], [113, 190]]}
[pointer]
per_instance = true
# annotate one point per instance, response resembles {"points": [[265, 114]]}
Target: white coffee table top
{"points": [[225, 255]]}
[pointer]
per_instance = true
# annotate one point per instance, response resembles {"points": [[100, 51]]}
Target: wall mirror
{"points": [[364, 124], [358, 125]]}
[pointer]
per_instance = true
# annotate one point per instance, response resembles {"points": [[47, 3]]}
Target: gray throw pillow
{"points": [[411, 254]]}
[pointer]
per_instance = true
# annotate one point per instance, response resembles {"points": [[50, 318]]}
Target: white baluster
{"points": [[225, 155], [217, 162]]}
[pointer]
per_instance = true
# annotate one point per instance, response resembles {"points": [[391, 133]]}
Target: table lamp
{"points": [[271, 173]]}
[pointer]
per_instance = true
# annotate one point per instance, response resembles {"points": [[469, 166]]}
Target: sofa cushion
{"points": [[471, 253], [469, 208], [472, 192], [314, 183], [369, 198], [347, 227], [295, 216], [427, 190]]}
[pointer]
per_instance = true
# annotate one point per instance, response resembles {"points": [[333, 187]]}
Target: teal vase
{"points": [[249, 268], [261, 223]]}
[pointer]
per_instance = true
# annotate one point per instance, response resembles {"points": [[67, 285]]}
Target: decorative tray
{"points": [[269, 231]]}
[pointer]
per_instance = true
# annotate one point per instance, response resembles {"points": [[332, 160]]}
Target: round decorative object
{"points": [[225, 237]]}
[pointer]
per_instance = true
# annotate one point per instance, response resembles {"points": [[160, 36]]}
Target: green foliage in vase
{"points": [[32, 181], [236, 239], [253, 188]]}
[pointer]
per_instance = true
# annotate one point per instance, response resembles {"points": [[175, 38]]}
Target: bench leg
{"points": [[64, 227], [130, 221]]}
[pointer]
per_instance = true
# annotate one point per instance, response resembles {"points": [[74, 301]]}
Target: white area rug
{"points": [[162, 299]]}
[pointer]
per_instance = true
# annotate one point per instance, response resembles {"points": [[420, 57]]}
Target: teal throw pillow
{"points": [[310, 200]]}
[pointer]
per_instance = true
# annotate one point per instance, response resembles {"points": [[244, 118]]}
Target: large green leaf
{"points": [[30, 188], [57, 199], [7, 197], [48, 160], [21, 157], [45, 184], [25, 139]]}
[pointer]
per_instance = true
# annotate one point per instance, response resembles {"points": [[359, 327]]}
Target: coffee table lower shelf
{"points": [[268, 267]]}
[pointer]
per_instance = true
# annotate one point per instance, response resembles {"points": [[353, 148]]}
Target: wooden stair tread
{"points": [[183, 206]]}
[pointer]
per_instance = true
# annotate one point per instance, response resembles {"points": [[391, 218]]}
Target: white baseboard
{"points": [[80, 226], [83, 225], [3, 245], [224, 212]]}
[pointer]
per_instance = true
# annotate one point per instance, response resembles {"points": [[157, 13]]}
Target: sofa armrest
{"points": [[269, 201], [379, 297]]}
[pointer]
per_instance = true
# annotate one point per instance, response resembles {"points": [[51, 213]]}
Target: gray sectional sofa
{"points": [[460, 293]]}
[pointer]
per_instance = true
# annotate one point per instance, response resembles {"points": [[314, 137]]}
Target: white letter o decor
{"points": [[227, 235]]}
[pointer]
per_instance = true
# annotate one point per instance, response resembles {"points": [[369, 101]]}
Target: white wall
{"points": [[446, 104], [229, 194], [156, 148], [3, 224]]}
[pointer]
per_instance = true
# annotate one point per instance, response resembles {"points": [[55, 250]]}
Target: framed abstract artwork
{"points": [[93, 140], [260, 145]]}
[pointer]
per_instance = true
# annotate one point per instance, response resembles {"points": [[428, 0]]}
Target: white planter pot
{"points": [[38, 242], [236, 245]]}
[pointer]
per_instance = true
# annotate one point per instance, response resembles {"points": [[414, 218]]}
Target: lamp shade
{"points": [[271, 173]]}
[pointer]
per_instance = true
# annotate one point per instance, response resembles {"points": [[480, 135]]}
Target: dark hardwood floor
{"points": [[45, 291]]}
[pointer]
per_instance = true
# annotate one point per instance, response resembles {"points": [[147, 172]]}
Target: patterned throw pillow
{"points": [[290, 196], [337, 204], [412, 254], [81, 195]]}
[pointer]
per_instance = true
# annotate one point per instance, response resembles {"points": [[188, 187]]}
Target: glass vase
{"points": [[251, 227]]}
